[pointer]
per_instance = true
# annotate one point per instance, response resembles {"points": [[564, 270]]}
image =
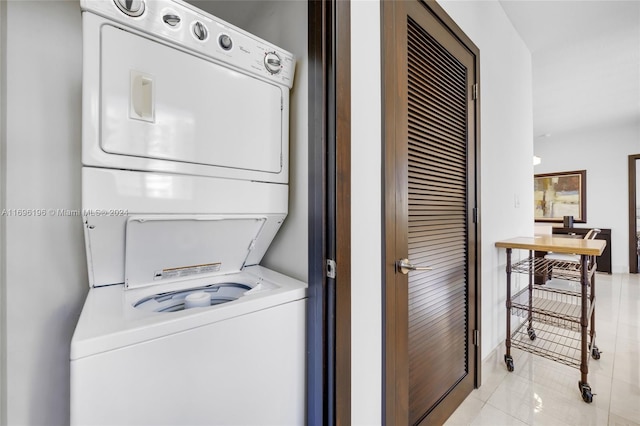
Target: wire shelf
{"points": [[553, 321], [557, 307], [557, 268], [555, 343]]}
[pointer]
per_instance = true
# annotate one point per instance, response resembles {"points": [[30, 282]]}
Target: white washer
{"points": [[184, 186]]}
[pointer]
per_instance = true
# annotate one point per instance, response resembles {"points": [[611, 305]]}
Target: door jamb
{"points": [[316, 305], [328, 345], [633, 253], [342, 58]]}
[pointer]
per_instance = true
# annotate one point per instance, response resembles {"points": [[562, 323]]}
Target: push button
{"points": [[225, 42]]}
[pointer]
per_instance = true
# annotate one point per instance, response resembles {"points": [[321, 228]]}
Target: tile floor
{"points": [[544, 392]]}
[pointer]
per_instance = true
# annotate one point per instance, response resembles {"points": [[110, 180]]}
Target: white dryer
{"points": [[184, 186]]}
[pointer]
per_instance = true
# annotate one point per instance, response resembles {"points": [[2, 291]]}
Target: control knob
{"points": [[272, 62], [130, 7], [171, 20], [200, 31]]}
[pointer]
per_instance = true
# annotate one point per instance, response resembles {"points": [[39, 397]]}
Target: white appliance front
{"points": [[170, 92], [167, 102], [238, 363], [184, 186]]}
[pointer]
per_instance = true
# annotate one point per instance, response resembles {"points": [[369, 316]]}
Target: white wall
{"points": [[45, 273], [603, 153], [366, 214], [506, 177], [3, 166]]}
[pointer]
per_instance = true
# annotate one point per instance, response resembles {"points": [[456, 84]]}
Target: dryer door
{"points": [[161, 103]]}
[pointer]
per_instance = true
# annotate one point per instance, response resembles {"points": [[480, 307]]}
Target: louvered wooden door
{"points": [[435, 224]]}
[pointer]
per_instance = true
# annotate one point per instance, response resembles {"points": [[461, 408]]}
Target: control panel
{"points": [[180, 23]]}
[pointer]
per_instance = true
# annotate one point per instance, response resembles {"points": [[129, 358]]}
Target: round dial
{"points": [[171, 19], [200, 31], [272, 62], [225, 42], [130, 7]]}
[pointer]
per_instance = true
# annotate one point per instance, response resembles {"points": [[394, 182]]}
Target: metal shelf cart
{"points": [[558, 324]]}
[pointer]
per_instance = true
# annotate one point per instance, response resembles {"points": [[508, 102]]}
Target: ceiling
{"points": [[585, 59]]}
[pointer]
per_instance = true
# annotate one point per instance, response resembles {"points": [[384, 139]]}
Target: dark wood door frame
{"points": [[329, 306], [395, 402], [342, 58], [316, 306], [633, 248]]}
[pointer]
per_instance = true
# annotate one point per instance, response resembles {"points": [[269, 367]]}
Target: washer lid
{"points": [[166, 248]]}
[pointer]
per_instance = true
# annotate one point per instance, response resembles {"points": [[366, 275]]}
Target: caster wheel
{"points": [[509, 361], [585, 390], [595, 353], [510, 365], [532, 334]]}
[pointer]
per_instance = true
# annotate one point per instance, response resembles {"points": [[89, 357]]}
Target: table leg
{"points": [[583, 385], [531, 273], [507, 357]]}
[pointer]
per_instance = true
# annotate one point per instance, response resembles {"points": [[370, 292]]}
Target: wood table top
{"points": [[555, 244]]}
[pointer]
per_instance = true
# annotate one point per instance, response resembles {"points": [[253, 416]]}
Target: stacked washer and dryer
{"points": [[184, 186]]}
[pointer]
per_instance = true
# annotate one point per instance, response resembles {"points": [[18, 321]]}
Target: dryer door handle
{"points": [[142, 104]]}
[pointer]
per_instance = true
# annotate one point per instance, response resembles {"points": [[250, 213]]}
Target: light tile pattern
{"points": [[544, 392]]}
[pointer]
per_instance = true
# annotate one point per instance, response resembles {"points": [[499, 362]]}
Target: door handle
{"points": [[142, 103], [405, 266]]}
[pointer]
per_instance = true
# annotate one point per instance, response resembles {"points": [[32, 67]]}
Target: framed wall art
{"points": [[556, 195]]}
